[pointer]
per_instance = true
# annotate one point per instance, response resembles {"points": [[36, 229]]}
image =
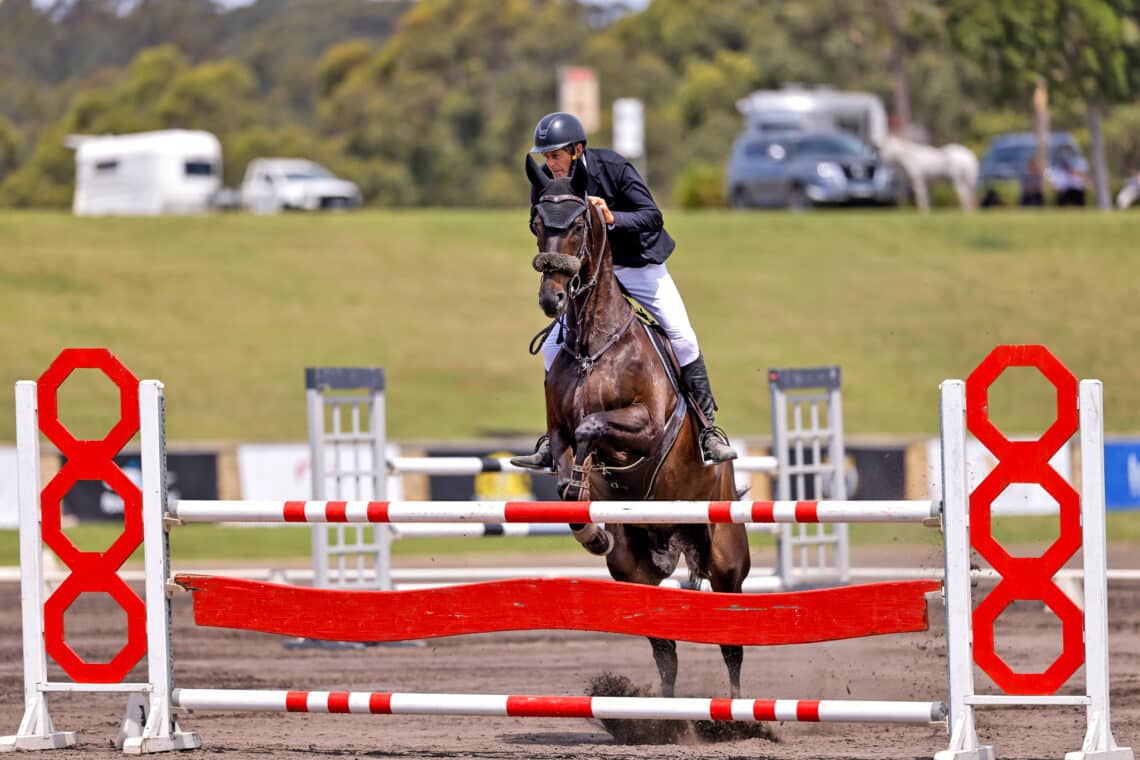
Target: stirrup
{"points": [[541, 459], [715, 446]]}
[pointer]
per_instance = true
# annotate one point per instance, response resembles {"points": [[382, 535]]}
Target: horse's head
{"points": [[563, 225]]}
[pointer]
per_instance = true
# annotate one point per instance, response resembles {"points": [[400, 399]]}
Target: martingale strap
{"points": [[586, 363]]}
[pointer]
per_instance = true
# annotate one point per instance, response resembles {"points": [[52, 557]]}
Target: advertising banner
{"points": [[491, 486], [1017, 498], [1122, 474], [188, 476], [283, 471], [870, 472]]}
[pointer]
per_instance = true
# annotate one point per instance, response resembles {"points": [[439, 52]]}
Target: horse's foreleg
{"points": [[627, 429], [965, 192], [665, 655], [921, 193]]}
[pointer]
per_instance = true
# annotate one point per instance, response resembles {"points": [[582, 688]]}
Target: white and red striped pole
{"points": [[667, 512], [661, 708]]}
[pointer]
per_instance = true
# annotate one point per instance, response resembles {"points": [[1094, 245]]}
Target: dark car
{"points": [[1007, 158], [803, 169]]}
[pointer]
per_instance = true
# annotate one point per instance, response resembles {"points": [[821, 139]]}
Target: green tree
{"points": [[1087, 51], [11, 146], [453, 95], [218, 96]]}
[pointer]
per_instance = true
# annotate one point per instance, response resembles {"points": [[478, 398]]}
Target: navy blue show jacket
{"points": [[638, 236]]}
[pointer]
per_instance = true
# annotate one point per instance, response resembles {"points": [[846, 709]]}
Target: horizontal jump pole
{"points": [[657, 512], [479, 465], [477, 530], [577, 604], [496, 530], [660, 708]]}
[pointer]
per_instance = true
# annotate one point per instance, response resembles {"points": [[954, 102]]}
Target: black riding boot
{"points": [[714, 442], [541, 459]]}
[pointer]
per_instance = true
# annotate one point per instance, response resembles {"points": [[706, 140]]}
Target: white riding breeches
{"points": [[654, 289]]}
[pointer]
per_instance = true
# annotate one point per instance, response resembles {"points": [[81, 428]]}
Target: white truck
{"points": [[272, 185], [172, 171], [799, 109]]}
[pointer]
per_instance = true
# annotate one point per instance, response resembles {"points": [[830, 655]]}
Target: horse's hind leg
{"points": [[729, 566], [733, 659], [631, 561], [665, 655]]}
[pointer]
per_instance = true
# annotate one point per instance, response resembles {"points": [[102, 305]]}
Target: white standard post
{"points": [[382, 534], [316, 413], [836, 449], [1098, 743], [149, 725], [36, 730], [959, 611]]}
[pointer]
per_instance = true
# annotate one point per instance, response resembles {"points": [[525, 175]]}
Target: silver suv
{"points": [[799, 170]]}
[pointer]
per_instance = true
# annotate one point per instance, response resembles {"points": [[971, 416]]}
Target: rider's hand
{"points": [[603, 207]]}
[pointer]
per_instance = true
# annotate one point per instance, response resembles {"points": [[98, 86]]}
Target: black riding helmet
{"points": [[557, 130]]}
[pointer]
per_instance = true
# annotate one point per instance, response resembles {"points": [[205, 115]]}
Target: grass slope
{"points": [[228, 310]]}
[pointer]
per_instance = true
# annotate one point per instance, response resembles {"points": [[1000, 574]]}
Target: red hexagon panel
{"points": [[80, 670], [977, 399], [1025, 578], [47, 388], [1051, 679], [91, 572]]}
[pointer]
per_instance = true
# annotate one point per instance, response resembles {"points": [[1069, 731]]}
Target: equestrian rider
{"points": [[640, 246]]}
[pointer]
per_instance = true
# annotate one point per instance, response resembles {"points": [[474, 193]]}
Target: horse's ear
{"points": [[535, 175], [578, 177]]}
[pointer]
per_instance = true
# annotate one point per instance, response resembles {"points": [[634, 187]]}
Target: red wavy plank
{"points": [[562, 603], [565, 604]]}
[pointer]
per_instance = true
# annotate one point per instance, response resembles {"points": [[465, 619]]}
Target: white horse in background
{"points": [[922, 163]]}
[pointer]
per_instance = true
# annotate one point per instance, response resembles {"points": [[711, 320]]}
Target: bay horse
{"points": [[619, 425]]}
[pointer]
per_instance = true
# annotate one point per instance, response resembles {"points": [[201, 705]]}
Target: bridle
{"points": [[555, 261]]}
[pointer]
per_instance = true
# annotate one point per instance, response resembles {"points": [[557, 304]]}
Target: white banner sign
{"points": [[629, 127], [1017, 498], [283, 471], [9, 507]]}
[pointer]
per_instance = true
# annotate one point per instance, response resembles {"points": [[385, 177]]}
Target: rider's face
{"points": [[559, 161]]}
